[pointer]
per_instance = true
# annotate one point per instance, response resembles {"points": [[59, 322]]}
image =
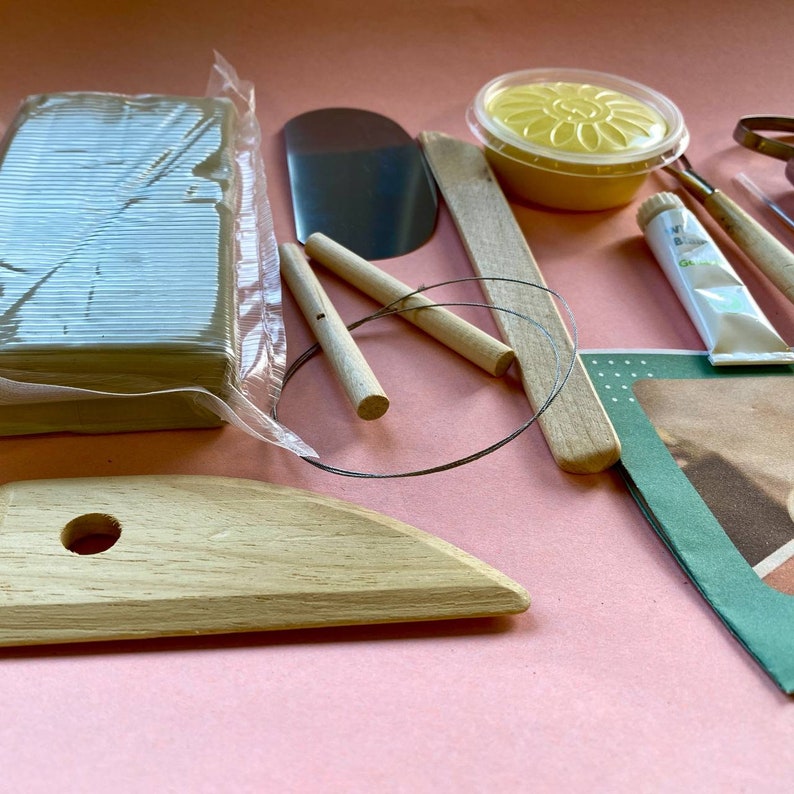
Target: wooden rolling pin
{"points": [[576, 426], [185, 555], [354, 373], [464, 338]]}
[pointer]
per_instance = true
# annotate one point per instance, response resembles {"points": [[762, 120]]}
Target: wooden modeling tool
{"points": [[464, 338], [773, 258], [189, 555], [576, 427], [362, 387]]}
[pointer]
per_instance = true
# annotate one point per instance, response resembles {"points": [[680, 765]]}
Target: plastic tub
{"points": [[575, 139]]}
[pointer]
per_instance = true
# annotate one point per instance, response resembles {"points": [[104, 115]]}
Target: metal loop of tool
{"points": [[746, 135]]}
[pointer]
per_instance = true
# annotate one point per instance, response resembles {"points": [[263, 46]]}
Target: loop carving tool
{"points": [[773, 258]]}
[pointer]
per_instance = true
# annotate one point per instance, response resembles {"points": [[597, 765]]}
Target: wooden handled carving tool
{"points": [[464, 338], [362, 387], [190, 555], [576, 426], [773, 258]]}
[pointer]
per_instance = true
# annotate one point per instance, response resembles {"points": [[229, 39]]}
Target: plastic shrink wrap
{"points": [[139, 284]]}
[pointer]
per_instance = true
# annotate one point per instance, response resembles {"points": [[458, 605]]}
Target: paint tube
{"points": [[730, 322]]}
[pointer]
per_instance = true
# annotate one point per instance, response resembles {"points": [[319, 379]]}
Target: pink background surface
{"points": [[619, 677]]}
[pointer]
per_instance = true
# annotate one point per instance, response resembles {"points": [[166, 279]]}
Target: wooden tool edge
{"points": [[485, 593], [576, 426]]}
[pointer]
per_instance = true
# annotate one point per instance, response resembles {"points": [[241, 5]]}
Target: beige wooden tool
{"points": [[576, 427], [195, 554], [773, 258], [354, 373], [464, 338]]}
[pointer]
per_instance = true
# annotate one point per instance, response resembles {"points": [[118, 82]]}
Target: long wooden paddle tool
{"points": [[147, 556], [576, 426]]}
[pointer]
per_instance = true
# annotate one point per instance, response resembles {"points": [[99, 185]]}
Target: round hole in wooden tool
{"points": [[91, 533]]}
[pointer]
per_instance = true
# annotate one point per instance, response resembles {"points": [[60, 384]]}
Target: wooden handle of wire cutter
{"points": [[762, 248], [576, 426], [471, 342], [355, 375]]}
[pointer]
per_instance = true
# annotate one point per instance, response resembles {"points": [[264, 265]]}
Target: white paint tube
{"points": [[730, 322]]}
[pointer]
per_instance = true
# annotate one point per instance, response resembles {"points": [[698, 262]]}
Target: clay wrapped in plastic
{"points": [[139, 283]]}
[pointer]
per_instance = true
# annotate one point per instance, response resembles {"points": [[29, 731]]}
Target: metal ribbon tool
{"points": [[746, 135]]}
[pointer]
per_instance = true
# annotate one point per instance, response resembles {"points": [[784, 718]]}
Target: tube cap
{"points": [[651, 207]]}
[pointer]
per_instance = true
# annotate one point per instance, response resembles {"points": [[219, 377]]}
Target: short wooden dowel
{"points": [[362, 387], [468, 340]]}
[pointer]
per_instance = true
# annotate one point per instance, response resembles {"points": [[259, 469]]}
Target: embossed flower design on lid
{"points": [[574, 138], [578, 117], [577, 120]]}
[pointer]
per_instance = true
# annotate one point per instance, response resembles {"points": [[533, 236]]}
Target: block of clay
{"points": [[117, 253]]}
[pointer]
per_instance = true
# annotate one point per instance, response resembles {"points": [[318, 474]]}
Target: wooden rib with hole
{"points": [[208, 555], [576, 426]]}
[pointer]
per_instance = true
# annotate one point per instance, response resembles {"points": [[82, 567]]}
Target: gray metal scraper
{"points": [[359, 178]]}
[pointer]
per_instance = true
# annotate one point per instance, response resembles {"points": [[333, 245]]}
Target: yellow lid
{"points": [[578, 118]]}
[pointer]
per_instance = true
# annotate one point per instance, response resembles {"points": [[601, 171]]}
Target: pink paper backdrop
{"points": [[619, 678]]}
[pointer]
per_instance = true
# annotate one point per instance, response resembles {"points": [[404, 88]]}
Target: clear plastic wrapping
{"points": [[139, 280]]}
